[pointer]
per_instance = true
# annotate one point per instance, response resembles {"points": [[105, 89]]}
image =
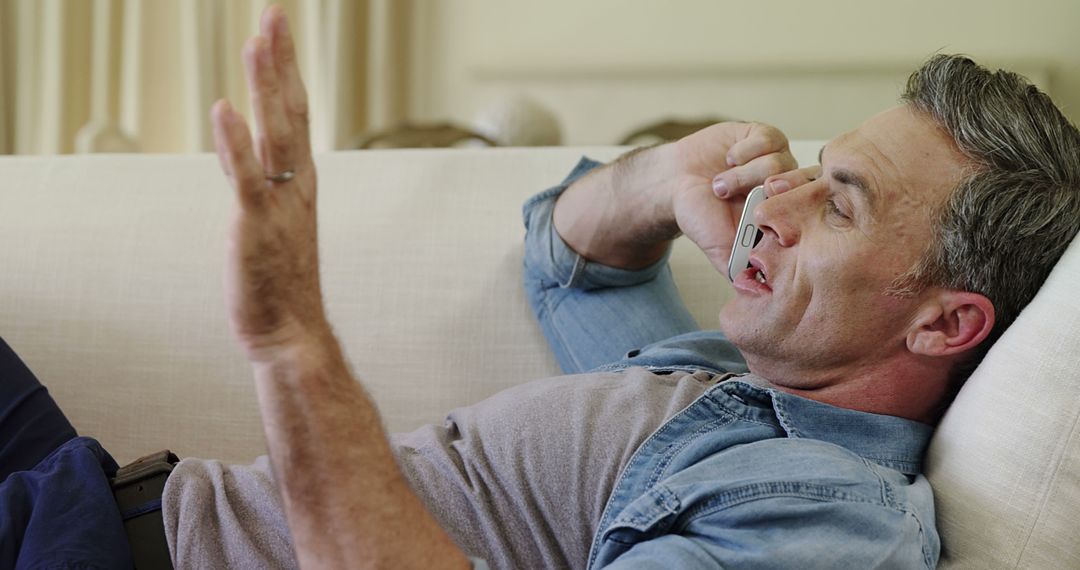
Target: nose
{"points": [[783, 215]]}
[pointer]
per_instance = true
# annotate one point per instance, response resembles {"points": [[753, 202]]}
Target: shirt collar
{"points": [[896, 443]]}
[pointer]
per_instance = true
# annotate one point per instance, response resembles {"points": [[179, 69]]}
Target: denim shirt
{"points": [[747, 476], [751, 477]]}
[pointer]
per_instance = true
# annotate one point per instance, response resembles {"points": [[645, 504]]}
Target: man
{"points": [[882, 277]]}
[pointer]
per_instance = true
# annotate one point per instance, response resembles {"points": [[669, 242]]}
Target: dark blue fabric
{"points": [[56, 507], [31, 424]]}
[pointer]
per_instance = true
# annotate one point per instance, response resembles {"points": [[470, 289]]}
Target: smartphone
{"points": [[747, 235]]}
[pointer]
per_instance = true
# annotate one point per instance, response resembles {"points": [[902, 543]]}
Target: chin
{"points": [[754, 341], [739, 333]]}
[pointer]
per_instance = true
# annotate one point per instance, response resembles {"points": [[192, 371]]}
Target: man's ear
{"points": [[950, 322]]}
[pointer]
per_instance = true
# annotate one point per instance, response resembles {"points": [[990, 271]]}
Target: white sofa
{"points": [[110, 289]]}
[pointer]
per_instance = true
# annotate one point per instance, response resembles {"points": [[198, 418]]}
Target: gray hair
{"points": [[1008, 221]]}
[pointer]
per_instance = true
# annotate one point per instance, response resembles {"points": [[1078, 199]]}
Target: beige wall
{"points": [[463, 47], [603, 66]]}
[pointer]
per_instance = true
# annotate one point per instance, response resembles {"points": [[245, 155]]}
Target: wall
{"points": [[611, 53], [603, 66]]}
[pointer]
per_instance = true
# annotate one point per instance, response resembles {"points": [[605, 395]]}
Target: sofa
{"points": [[110, 290]]}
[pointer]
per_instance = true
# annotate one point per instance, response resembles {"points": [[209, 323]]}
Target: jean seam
{"points": [[769, 490], [550, 306], [723, 407], [683, 443], [606, 516], [717, 505]]}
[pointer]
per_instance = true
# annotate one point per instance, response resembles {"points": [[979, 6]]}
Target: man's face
{"points": [[832, 247]]}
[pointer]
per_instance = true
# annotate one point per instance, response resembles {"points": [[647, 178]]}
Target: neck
{"points": [[902, 387]]}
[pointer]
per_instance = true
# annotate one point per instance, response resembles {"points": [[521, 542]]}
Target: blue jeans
{"points": [[31, 424], [598, 318], [56, 506]]}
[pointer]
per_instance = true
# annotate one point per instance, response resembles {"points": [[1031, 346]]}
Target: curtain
{"points": [[141, 75]]}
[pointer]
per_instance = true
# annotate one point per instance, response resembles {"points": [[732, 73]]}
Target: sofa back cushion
{"points": [[1005, 461], [110, 289]]}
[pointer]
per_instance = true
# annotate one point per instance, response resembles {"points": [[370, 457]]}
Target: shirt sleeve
{"points": [[548, 257]]}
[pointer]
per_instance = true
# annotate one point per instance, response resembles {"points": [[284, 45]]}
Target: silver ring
{"points": [[283, 176]]}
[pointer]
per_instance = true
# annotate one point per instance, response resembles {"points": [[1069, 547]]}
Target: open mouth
{"points": [[754, 280], [759, 271]]}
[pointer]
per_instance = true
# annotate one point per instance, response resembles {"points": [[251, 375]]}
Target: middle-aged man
{"points": [[792, 439]]}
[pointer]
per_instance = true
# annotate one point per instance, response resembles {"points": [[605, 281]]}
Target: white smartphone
{"points": [[747, 235]]}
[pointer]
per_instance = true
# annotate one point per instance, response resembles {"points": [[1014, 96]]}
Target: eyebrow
{"points": [[849, 178]]}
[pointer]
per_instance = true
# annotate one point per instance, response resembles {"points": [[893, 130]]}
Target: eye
{"points": [[832, 209]]}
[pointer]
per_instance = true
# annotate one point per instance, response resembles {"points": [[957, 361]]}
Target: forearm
{"points": [[621, 215], [347, 503]]}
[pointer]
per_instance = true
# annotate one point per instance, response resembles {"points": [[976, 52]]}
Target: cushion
{"points": [[110, 286], [1005, 461]]}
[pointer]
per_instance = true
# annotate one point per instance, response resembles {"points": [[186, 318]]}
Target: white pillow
{"points": [[1005, 461]]}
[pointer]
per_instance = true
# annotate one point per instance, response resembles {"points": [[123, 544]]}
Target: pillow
{"points": [[1005, 461]]}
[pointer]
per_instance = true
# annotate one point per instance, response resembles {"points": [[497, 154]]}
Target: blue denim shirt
{"points": [[751, 477], [747, 476]]}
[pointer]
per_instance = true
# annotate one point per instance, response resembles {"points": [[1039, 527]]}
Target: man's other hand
{"points": [[626, 214], [272, 285], [719, 165]]}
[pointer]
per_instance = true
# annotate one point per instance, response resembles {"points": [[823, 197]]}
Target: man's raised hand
{"points": [[272, 284], [346, 502]]}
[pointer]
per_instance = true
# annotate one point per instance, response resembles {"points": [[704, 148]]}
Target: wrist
{"points": [[650, 177], [294, 343], [623, 214]]}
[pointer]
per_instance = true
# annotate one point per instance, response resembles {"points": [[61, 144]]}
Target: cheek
{"points": [[904, 234], [852, 279], [900, 249], [851, 297], [841, 265]]}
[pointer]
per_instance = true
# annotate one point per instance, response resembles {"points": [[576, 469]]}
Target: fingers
{"points": [[761, 152], [274, 142], [275, 26], [232, 139], [759, 141], [279, 106], [780, 183], [741, 179], [216, 123]]}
